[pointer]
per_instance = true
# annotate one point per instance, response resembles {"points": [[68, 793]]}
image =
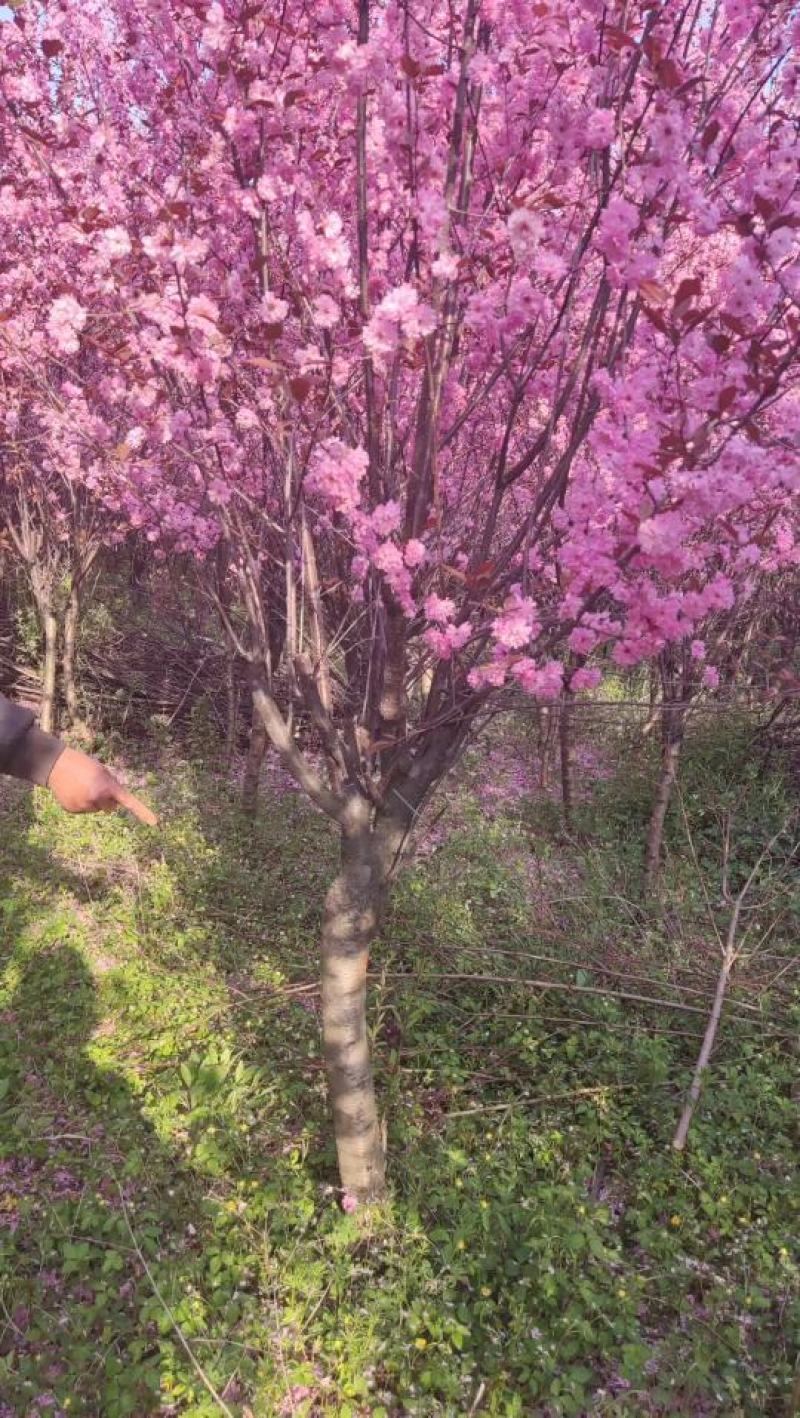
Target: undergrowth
{"points": [[169, 1219]]}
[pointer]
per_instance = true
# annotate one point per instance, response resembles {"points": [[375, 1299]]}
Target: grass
{"points": [[169, 1219]]}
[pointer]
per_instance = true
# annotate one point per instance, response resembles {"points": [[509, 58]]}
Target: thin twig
{"points": [[549, 1098], [729, 955], [196, 1365]]}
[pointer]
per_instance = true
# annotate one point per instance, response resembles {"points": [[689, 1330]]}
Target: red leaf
{"points": [[273, 331], [481, 575], [410, 66], [300, 387], [618, 39], [657, 319], [727, 398], [687, 289], [719, 343], [764, 207], [733, 323], [668, 73], [653, 292], [51, 47], [294, 96], [711, 132]]}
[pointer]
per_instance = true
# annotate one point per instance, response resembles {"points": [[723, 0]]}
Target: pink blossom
{"points": [[542, 681], [444, 643], [273, 309], [524, 232], [518, 624], [336, 473], [439, 608], [349, 1205], [585, 679], [615, 229], [386, 518], [582, 640], [202, 313], [389, 559], [115, 243], [488, 676], [698, 650], [524, 302], [215, 34], [66, 320], [711, 677], [325, 312], [599, 131], [414, 552], [399, 318], [445, 266]]}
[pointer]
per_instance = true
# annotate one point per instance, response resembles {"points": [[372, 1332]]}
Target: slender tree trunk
{"points": [[256, 751], [353, 908], [670, 759], [565, 749], [70, 655], [231, 705], [49, 716]]}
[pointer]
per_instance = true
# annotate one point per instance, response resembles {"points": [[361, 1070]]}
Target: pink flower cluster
{"points": [[64, 323], [336, 474], [400, 318]]}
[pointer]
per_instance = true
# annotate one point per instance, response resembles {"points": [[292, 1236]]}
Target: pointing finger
{"points": [[135, 805]]}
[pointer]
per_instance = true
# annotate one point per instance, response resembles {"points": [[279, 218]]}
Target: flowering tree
{"points": [[470, 328]]}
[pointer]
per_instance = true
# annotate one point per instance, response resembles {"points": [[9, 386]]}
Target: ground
{"points": [[171, 1236]]}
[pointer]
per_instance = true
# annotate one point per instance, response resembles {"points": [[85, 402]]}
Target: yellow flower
{"points": [[485, 1291], [676, 1221], [459, 1183], [484, 1204], [623, 1294], [461, 1245], [421, 1343]]}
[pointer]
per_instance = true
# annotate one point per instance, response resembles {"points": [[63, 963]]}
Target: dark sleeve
{"points": [[25, 752]]}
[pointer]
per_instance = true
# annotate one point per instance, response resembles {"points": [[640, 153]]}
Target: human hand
{"points": [[81, 784]]}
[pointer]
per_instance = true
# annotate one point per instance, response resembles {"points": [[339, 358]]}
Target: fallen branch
{"points": [[546, 1098]]}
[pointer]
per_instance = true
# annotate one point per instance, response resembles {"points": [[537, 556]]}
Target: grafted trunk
{"points": [[670, 759], [256, 750], [352, 912], [70, 656], [49, 716]]}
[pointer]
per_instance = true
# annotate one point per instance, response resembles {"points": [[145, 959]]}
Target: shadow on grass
{"points": [[90, 1196]]}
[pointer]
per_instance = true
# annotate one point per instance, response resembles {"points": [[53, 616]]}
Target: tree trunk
{"points": [[231, 706], [670, 758], [70, 655], [565, 748], [256, 751], [352, 912], [48, 717]]}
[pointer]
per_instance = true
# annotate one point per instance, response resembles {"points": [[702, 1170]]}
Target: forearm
{"points": [[25, 752]]}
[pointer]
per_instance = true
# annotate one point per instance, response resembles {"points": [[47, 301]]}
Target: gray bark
{"points": [[70, 656], [49, 713], [256, 751]]}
